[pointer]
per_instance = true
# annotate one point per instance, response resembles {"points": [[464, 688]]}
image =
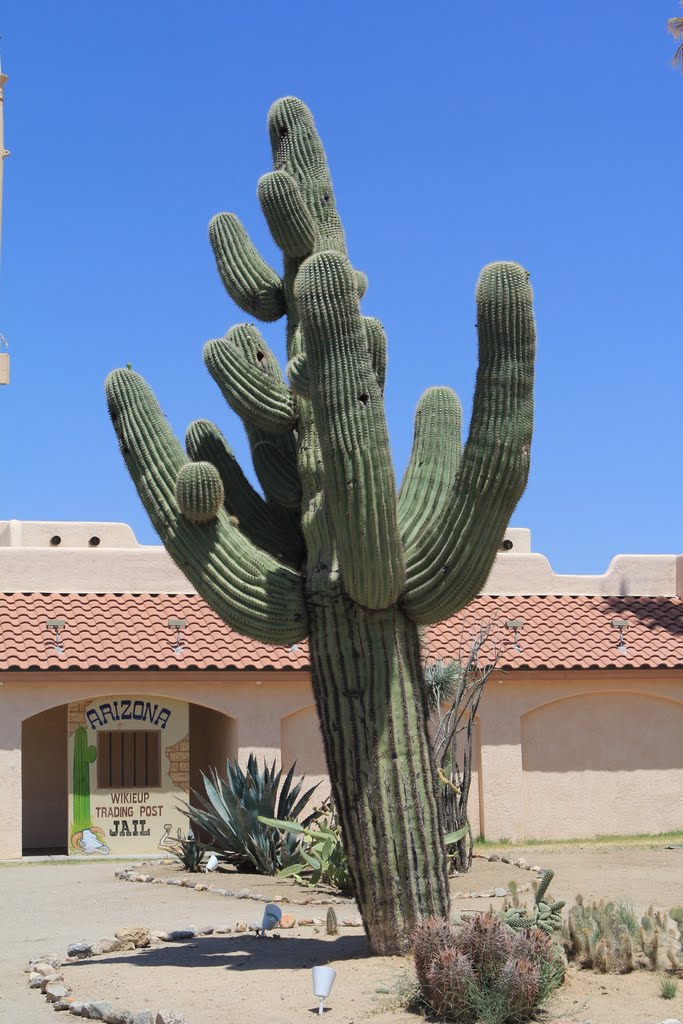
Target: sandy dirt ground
{"points": [[236, 978]]}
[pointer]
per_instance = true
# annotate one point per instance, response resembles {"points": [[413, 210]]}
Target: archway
{"points": [[602, 763], [44, 782]]}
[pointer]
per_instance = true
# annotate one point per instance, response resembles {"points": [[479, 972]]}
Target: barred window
{"points": [[130, 759]]}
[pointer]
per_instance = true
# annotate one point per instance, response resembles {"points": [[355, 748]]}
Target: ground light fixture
{"points": [[323, 980], [271, 919], [212, 863]]}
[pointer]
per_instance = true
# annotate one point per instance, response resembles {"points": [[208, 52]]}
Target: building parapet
{"points": [[73, 557]]}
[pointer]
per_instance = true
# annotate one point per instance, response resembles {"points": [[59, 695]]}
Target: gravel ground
{"points": [[236, 979]]}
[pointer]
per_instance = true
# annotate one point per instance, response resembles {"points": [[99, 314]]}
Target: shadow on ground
{"points": [[242, 952]]}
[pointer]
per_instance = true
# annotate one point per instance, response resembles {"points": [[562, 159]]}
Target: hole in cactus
{"points": [[364, 399], [260, 356], [94, 542], [283, 131], [55, 541], [326, 198]]}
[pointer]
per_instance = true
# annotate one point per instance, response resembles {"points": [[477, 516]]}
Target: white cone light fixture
{"points": [[271, 917], [323, 980], [212, 862]]}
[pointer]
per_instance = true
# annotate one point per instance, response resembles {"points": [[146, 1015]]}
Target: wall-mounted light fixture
{"points": [[55, 625], [179, 625], [516, 625], [622, 625]]}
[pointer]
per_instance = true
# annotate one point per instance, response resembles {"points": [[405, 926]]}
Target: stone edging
{"points": [[500, 890], [44, 972], [320, 900]]}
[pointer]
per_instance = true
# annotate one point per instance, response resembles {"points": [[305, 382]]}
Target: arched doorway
{"points": [[45, 782]]}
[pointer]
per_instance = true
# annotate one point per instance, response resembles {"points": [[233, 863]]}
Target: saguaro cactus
{"points": [[330, 552]]}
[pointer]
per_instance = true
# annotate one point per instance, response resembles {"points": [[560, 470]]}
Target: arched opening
{"points": [[602, 763], [213, 740], [45, 782], [108, 774]]}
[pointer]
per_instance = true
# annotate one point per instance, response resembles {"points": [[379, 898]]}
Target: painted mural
{"points": [[129, 768]]}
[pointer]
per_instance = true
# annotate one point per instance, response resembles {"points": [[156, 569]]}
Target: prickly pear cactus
{"points": [[330, 551]]}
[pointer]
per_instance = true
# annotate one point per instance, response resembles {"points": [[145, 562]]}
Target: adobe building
{"points": [[119, 686]]}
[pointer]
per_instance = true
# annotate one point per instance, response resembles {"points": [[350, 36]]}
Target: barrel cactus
{"points": [[330, 552]]}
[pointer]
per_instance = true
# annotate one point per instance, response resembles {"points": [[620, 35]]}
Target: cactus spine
{"points": [[83, 758], [330, 552]]}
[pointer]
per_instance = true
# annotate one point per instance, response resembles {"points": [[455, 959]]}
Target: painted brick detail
{"points": [[179, 763]]}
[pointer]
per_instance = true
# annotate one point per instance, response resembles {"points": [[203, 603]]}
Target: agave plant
{"points": [[230, 813], [190, 852]]}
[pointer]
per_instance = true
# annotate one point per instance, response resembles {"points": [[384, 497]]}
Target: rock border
{"points": [[501, 890], [45, 970], [131, 875]]}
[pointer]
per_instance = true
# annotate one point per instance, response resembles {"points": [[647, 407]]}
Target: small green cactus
{"points": [[84, 756], [544, 915], [332, 926]]}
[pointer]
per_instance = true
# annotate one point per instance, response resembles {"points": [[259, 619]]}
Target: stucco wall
{"points": [[567, 754], [557, 754]]}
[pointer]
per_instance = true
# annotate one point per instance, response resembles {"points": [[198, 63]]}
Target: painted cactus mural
{"points": [[84, 837], [331, 552]]}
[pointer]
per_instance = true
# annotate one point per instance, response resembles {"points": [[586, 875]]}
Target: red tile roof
{"points": [[130, 631]]}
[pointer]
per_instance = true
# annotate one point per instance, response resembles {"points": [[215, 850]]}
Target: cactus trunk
{"points": [[373, 712]]}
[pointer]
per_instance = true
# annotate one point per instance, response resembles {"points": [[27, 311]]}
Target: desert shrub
{"points": [[485, 970], [668, 987], [232, 809]]}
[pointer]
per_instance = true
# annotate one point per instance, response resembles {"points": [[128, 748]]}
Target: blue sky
{"points": [[457, 134]]}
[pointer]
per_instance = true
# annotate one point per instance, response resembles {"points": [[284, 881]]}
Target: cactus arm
{"points": [[377, 346], [297, 373], [297, 149], [291, 225], [448, 565], [268, 526], [248, 280], [349, 417], [250, 380], [429, 479], [253, 592], [274, 454], [274, 459]]}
